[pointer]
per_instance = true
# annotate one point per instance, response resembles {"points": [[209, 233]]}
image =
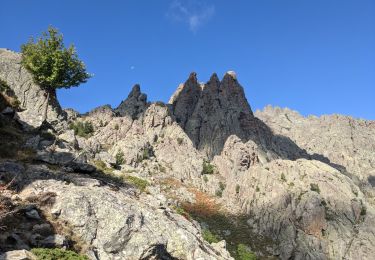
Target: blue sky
{"points": [[314, 56]]}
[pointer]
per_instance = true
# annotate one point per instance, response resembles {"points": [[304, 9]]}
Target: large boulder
{"points": [[31, 96]]}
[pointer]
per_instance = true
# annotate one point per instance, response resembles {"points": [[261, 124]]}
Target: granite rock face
{"points": [[343, 140], [302, 187], [209, 113], [31, 96], [116, 223]]}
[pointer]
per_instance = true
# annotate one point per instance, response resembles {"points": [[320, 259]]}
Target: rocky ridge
{"points": [[288, 187]]}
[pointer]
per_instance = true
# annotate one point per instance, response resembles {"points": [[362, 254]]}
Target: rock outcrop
{"points": [[280, 184], [31, 96], [209, 113]]}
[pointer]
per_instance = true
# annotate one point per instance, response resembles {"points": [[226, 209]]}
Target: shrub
{"points": [[244, 253], [283, 179], [207, 168], [237, 188], [363, 211], [222, 186], [314, 187], [209, 237], [257, 189], [182, 212], [120, 158], [83, 129], [117, 127], [219, 193], [146, 154], [179, 140], [139, 183], [101, 166], [55, 253]]}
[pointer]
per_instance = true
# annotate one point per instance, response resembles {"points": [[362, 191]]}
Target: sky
{"points": [[313, 56]]}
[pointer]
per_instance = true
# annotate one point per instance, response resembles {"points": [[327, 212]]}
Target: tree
{"points": [[52, 65]]}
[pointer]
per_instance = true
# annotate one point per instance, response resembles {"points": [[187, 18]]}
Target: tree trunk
{"points": [[46, 109]]}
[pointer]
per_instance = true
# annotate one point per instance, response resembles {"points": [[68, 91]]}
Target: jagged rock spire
{"points": [[213, 111], [134, 105]]}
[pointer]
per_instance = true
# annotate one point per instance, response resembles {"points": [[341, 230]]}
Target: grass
{"points": [[207, 168], [314, 187], [244, 253], [206, 210], [55, 253], [209, 237], [139, 183]]}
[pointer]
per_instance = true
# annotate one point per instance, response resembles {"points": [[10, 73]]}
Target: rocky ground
{"points": [[202, 177]]}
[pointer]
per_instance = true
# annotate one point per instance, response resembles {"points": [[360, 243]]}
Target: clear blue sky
{"points": [[314, 56]]}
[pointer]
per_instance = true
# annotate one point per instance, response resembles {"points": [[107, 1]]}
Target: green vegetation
{"points": [[244, 253], [257, 189], [117, 127], [55, 253], [180, 140], [101, 166], [283, 179], [237, 188], [3, 86], [207, 168], [139, 183], [314, 187], [52, 65], [146, 154], [219, 192], [363, 211], [120, 158], [83, 129], [182, 212], [205, 178], [209, 237]]}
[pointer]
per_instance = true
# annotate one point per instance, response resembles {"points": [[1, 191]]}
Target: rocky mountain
{"points": [[202, 177]]}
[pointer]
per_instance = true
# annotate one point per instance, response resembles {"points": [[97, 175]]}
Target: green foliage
{"points": [[141, 184], [180, 140], [207, 168], [146, 154], [83, 129], [257, 189], [244, 253], [3, 86], [182, 212], [314, 187], [55, 253], [363, 211], [283, 179], [117, 127], [219, 192], [210, 237], [101, 166], [120, 158], [237, 188], [51, 63]]}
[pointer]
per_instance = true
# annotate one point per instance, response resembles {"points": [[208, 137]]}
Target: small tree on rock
{"points": [[52, 65]]}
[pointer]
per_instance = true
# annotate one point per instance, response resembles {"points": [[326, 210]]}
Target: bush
{"points": [[182, 212], [83, 129], [283, 179], [180, 140], [244, 253], [209, 237], [237, 188], [207, 168], [314, 187], [146, 154], [139, 183], [55, 253], [120, 158]]}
